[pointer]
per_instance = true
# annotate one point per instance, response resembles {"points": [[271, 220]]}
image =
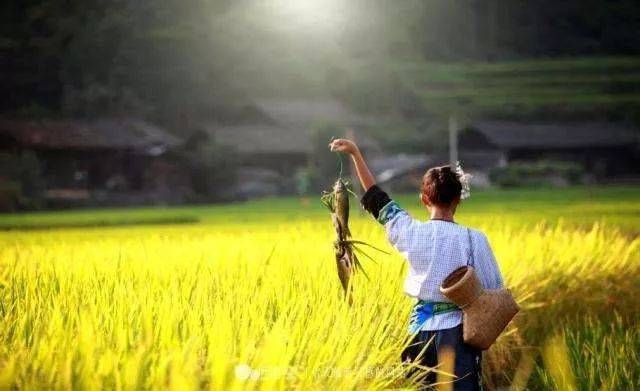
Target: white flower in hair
{"points": [[464, 179]]}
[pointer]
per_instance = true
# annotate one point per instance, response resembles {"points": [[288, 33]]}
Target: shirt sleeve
{"points": [[374, 200], [397, 222], [491, 265]]}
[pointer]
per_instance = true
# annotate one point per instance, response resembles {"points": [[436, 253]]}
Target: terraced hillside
{"points": [[584, 86]]}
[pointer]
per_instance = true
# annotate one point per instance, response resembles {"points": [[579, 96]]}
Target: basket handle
{"points": [[470, 257]]}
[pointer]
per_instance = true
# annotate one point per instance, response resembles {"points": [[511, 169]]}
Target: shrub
{"points": [[21, 183], [211, 169], [538, 174]]}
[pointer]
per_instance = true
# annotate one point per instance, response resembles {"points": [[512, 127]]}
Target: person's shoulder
{"points": [[390, 212], [476, 233]]}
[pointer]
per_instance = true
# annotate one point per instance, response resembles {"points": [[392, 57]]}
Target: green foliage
{"points": [[584, 87], [419, 136], [325, 167], [419, 95], [212, 169], [576, 206], [172, 58], [21, 182], [537, 174]]}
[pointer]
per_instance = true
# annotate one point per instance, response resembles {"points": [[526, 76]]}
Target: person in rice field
{"points": [[433, 249]]}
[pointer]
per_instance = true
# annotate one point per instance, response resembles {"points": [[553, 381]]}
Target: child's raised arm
{"points": [[387, 212], [367, 180]]}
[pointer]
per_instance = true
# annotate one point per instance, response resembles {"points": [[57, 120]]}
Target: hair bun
{"points": [[445, 174], [441, 185]]}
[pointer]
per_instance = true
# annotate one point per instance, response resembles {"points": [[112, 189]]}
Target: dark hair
{"points": [[441, 186]]}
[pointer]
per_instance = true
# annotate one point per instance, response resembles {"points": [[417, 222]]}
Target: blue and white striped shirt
{"points": [[434, 249]]}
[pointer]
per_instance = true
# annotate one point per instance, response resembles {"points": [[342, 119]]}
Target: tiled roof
{"points": [[87, 134]]}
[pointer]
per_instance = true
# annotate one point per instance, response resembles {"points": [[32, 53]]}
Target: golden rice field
{"points": [[252, 301]]}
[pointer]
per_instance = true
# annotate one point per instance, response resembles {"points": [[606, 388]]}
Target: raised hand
{"points": [[343, 145]]}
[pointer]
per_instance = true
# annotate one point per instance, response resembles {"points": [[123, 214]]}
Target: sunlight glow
{"points": [[322, 15]]}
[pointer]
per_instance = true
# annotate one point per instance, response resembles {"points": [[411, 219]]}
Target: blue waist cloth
{"points": [[424, 310]]}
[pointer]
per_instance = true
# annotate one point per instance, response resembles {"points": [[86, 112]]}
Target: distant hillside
{"points": [[545, 88]]}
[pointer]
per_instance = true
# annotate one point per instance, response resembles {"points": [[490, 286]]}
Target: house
{"points": [[604, 149], [403, 173], [277, 144], [94, 162]]}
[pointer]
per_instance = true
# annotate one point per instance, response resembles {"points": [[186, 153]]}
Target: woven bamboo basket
{"points": [[486, 312]]}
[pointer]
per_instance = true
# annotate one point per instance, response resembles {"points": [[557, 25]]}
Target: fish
{"points": [[347, 262], [343, 258], [341, 200]]}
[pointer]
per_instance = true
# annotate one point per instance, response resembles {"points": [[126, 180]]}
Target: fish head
{"points": [[340, 186]]}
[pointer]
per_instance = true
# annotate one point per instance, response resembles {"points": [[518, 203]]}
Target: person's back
{"points": [[433, 249]]}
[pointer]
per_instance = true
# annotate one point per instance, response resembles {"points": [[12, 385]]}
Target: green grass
{"points": [[568, 65], [579, 206]]}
